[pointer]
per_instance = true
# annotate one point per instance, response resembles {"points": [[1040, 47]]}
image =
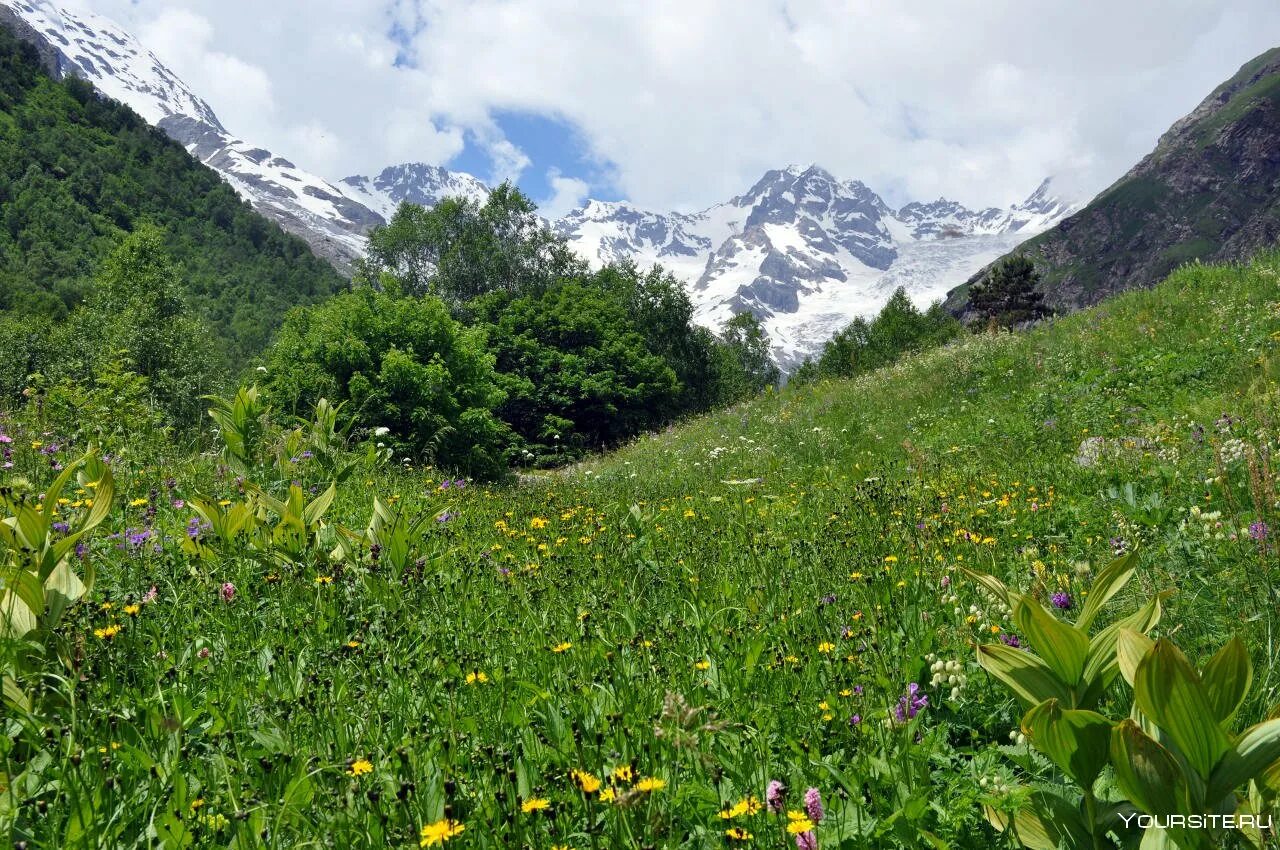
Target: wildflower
{"points": [[204, 652], [360, 767], [535, 804], [910, 703], [228, 592], [149, 596], [737, 833], [813, 805], [798, 822], [107, 633], [622, 773], [197, 804], [537, 522], [132, 610], [1258, 530], [477, 676], [775, 796], [561, 647], [702, 664], [587, 783], [607, 795], [138, 503], [324, 579], [855, 720], [806, 841], [439, 832], [649, 784], [826, 646], [1061, 600]]}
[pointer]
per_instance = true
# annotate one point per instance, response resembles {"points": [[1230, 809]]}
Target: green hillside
{"points": [[77, 171], [627, 653]]}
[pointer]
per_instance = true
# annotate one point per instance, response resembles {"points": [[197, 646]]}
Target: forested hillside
{"points": [[77, 172]]}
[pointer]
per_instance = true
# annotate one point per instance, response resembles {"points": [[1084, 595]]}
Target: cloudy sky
{"points": [[678, 104]]}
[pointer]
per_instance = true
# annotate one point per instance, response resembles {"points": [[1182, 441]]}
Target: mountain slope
{"points": [[77, 170], [806, 252], [1209, 191], [96, 49]]}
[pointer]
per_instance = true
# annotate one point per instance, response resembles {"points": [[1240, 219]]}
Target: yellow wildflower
{"points": [[360, 767], [535, 804], [650, 783], [440, 832]]}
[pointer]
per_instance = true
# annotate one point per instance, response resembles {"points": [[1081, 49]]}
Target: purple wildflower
{"points": [[775, 796], [137, 537], [1258, 530], [855, 720], [61, 527], [813, 805], [806, 841], [1061, 600], [1010, 639], [910, 703], [829, 599], [150, 595], [228, 592]]}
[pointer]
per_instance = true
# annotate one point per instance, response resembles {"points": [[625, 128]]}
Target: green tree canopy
{"points": [[1008, 294], [401, 363]]}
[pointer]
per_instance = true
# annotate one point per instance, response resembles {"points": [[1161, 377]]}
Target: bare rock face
{"points": [[1210, 191]]}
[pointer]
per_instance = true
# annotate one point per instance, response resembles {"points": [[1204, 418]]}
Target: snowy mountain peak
{"points": [[415, 183], [96, 49]]}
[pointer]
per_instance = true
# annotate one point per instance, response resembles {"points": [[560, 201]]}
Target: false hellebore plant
{"points": [[1175, 760]]}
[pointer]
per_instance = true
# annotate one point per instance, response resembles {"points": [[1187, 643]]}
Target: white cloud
{"points": [[566, 194], [692, 101]]}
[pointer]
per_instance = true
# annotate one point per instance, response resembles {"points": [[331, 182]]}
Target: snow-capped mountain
{"points": [[333, 218], [415, 183], [806, 252]]}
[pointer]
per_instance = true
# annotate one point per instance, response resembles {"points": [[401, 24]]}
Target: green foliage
{"points": [[79, 171], [241, 422], [397, 363], [136, 313], [747, 343], [1008, 295], [590, 362], [897, 330], [37, 561], [459, 249]]}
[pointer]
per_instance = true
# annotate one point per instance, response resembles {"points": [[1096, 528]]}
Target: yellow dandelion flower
{"points": [[324, 579], [439, 832], [622, 773], [737, 833], [360, 767], [650, 783], [585, 781], [137, 503], [477, 676], [800, 825], [561, 647], [538, 522], [702, 664], [826, 646], [107, 633], [535, 804], [607, 795], [132, 610]]}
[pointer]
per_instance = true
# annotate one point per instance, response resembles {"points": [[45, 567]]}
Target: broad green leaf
{"points": [[14, 695], [1167, 689], [1131, 648], [1101, 668], [62, 589], [1109, 582], [1031, 680], [1045, 822], [1076, 741], [16, 619], [103, 494], [1147, 773], [995, 585], [1227, 677], [1062, 646], [314, 511], [1256, 750]]}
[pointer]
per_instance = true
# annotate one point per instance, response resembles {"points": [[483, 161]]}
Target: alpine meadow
{"points": [[386, 512]]}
